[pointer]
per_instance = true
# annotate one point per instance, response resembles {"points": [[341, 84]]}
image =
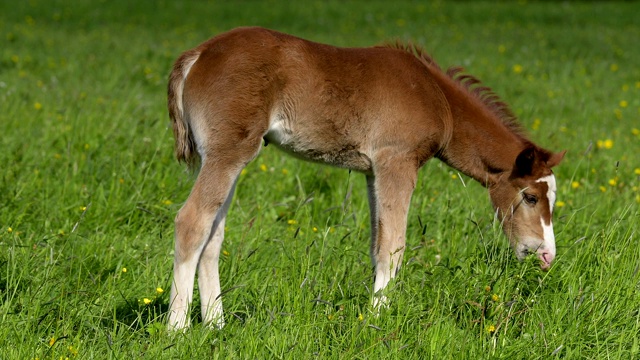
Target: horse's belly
{"points": [[307, 144]]}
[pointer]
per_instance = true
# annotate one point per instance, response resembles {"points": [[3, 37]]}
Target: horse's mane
{"points": [[472, 85]]}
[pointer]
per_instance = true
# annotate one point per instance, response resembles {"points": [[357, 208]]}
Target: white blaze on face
{"points": [[548, 250]]}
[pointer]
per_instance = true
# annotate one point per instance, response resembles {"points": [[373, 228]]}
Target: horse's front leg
{"points": [[390, 188]]}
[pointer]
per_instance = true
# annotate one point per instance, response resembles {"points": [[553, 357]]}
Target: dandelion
{"points": [[491, 329], [613, 67], [602, 188], [536, 124], [225, 253], [575, 184], [146, 301], [635, 171], [83, 208], [159, 290], [263, 167], [37, 106], [10, 230], [285, 172], [330, 317], [167, 202], [604, 144], [360, 317], [495, 297], [635, 131], [52, 341], [243, 172], [315, 229], [560, 204], [454, 176], [72, 350], [292, 221], [623, 104], [618, 113], [121, 181], [517, 68], [613, 182], [86, 146], [124, 269]]}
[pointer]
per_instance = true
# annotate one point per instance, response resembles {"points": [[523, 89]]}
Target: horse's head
{"points": [[524, 201]]}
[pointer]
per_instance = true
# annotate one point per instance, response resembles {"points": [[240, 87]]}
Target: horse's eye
{"points": [[530, 199]]}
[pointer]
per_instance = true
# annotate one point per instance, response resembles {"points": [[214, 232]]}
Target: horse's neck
{"points": [[481, 145]]}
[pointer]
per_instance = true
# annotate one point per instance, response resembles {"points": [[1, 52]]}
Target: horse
{"points": [[382, 111]]}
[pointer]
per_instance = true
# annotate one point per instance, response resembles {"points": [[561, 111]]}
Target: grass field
{"points": [[89, 189]]}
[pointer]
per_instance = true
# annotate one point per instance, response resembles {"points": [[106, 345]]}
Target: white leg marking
{"points": [[182, 292]]}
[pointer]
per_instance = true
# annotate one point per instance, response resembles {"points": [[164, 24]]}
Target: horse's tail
{"points": [[185, 146]]}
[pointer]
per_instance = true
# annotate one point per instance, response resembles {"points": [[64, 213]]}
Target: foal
{"points": [[382, 111]]}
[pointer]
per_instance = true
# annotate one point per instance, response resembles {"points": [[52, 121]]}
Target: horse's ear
{"points": [[524, 162], [555, 159]]}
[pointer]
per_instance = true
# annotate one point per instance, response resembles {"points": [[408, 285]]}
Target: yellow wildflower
{"points": [[360, 317], [52, 341], [635, 171], [146, 301], [487, 288], [292, 221], [285, 171], [517, 68], [536, 124], [263, 167], [225, 253], [624, 104], [491, 329], [635, 131], [617, 113], [124, 269], [73, 350], [159, 290], [602, 188], [9, 230], [495, 297], [613, 67], [315, 229], [614, 181], [502, 49], [167, 202], [560, 204], [243, 172], [575, 184], [37, 106], [454, 176]]}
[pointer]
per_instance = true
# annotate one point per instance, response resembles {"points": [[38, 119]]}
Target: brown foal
{"points": [[382, 111]]}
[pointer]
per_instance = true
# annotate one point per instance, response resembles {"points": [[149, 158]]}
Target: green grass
{"points": [[88, 188]]}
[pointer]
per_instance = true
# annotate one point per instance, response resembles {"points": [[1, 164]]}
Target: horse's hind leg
{"points": [[200, 227], [208, 275]]}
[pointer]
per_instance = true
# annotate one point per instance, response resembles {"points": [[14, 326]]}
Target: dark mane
{"points": [[472, 85]]}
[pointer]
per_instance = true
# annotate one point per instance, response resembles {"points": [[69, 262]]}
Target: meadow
{"points": [[89, 189]]}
